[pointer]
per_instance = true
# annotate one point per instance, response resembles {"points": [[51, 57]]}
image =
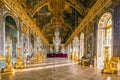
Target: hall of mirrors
{"points": [[59, 40]]}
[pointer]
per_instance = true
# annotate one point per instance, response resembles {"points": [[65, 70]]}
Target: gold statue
{"points": [[19, 60], [107, 68], [8, 65]]}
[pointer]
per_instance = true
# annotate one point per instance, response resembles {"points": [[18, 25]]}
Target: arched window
{"points": [[104, 32], [11, 31], [81, 45]]}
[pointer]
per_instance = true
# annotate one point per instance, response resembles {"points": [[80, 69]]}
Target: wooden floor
{"points": [[58, 69]]}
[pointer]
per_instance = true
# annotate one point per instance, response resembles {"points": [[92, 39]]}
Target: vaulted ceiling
{"points": [[64, 15]]}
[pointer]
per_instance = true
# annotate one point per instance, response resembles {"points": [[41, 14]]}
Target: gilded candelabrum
{"points": [[8, 65], [107, 68], [35, 58], [69, 55], [43, 55], [77, 57], [19, 60], [39, 57], [74, 56]]}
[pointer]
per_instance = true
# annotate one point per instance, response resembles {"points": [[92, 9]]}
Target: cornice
{"points": [[96, 9], [17, 9]]}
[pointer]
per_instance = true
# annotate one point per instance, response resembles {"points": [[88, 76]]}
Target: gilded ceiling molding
{"points": [[1, 4], [69, 27], [25, 29], [16, 8], [76, 7], [49, 24], [96, 9], [38, 6]]}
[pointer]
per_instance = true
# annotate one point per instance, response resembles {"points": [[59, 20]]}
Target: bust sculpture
{"points": [[56, 40]]}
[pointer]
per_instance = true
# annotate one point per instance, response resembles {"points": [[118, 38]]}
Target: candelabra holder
{"points": [[74, 56], [19, 60], [35, 59], [39, 57], [8, 65], [107, 68]]}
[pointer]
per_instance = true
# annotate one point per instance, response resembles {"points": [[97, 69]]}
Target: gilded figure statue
{"points": [[19, 60], [8, 65]]}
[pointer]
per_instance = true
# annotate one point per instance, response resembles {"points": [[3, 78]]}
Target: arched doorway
{"points": [[11, 35], [104, 32], [81, 45]]}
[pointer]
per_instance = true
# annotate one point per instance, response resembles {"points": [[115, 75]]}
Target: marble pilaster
{"points": [[116, 30], [1, 33]]}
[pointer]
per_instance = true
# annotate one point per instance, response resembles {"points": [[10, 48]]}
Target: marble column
{"points": [[21, 36], [116, 30], [1, 33], [28, 36]]}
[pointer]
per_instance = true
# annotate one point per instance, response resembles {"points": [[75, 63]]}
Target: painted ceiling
{"points": [[65, 15]]}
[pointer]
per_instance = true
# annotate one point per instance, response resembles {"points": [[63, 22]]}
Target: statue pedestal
{"points": [[107, 68], [107, 71]]}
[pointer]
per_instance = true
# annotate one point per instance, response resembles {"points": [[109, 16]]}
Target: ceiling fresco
{"points": [[71, 17], [49, 13], [84, 3], [32, 3], [43, 16]]}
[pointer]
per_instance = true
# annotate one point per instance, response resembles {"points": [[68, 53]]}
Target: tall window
{"points": [[104, 33], [81, 45], [11, 31]]}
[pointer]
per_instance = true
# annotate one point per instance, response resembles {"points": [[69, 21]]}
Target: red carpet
{"points": [[57, 55]]}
